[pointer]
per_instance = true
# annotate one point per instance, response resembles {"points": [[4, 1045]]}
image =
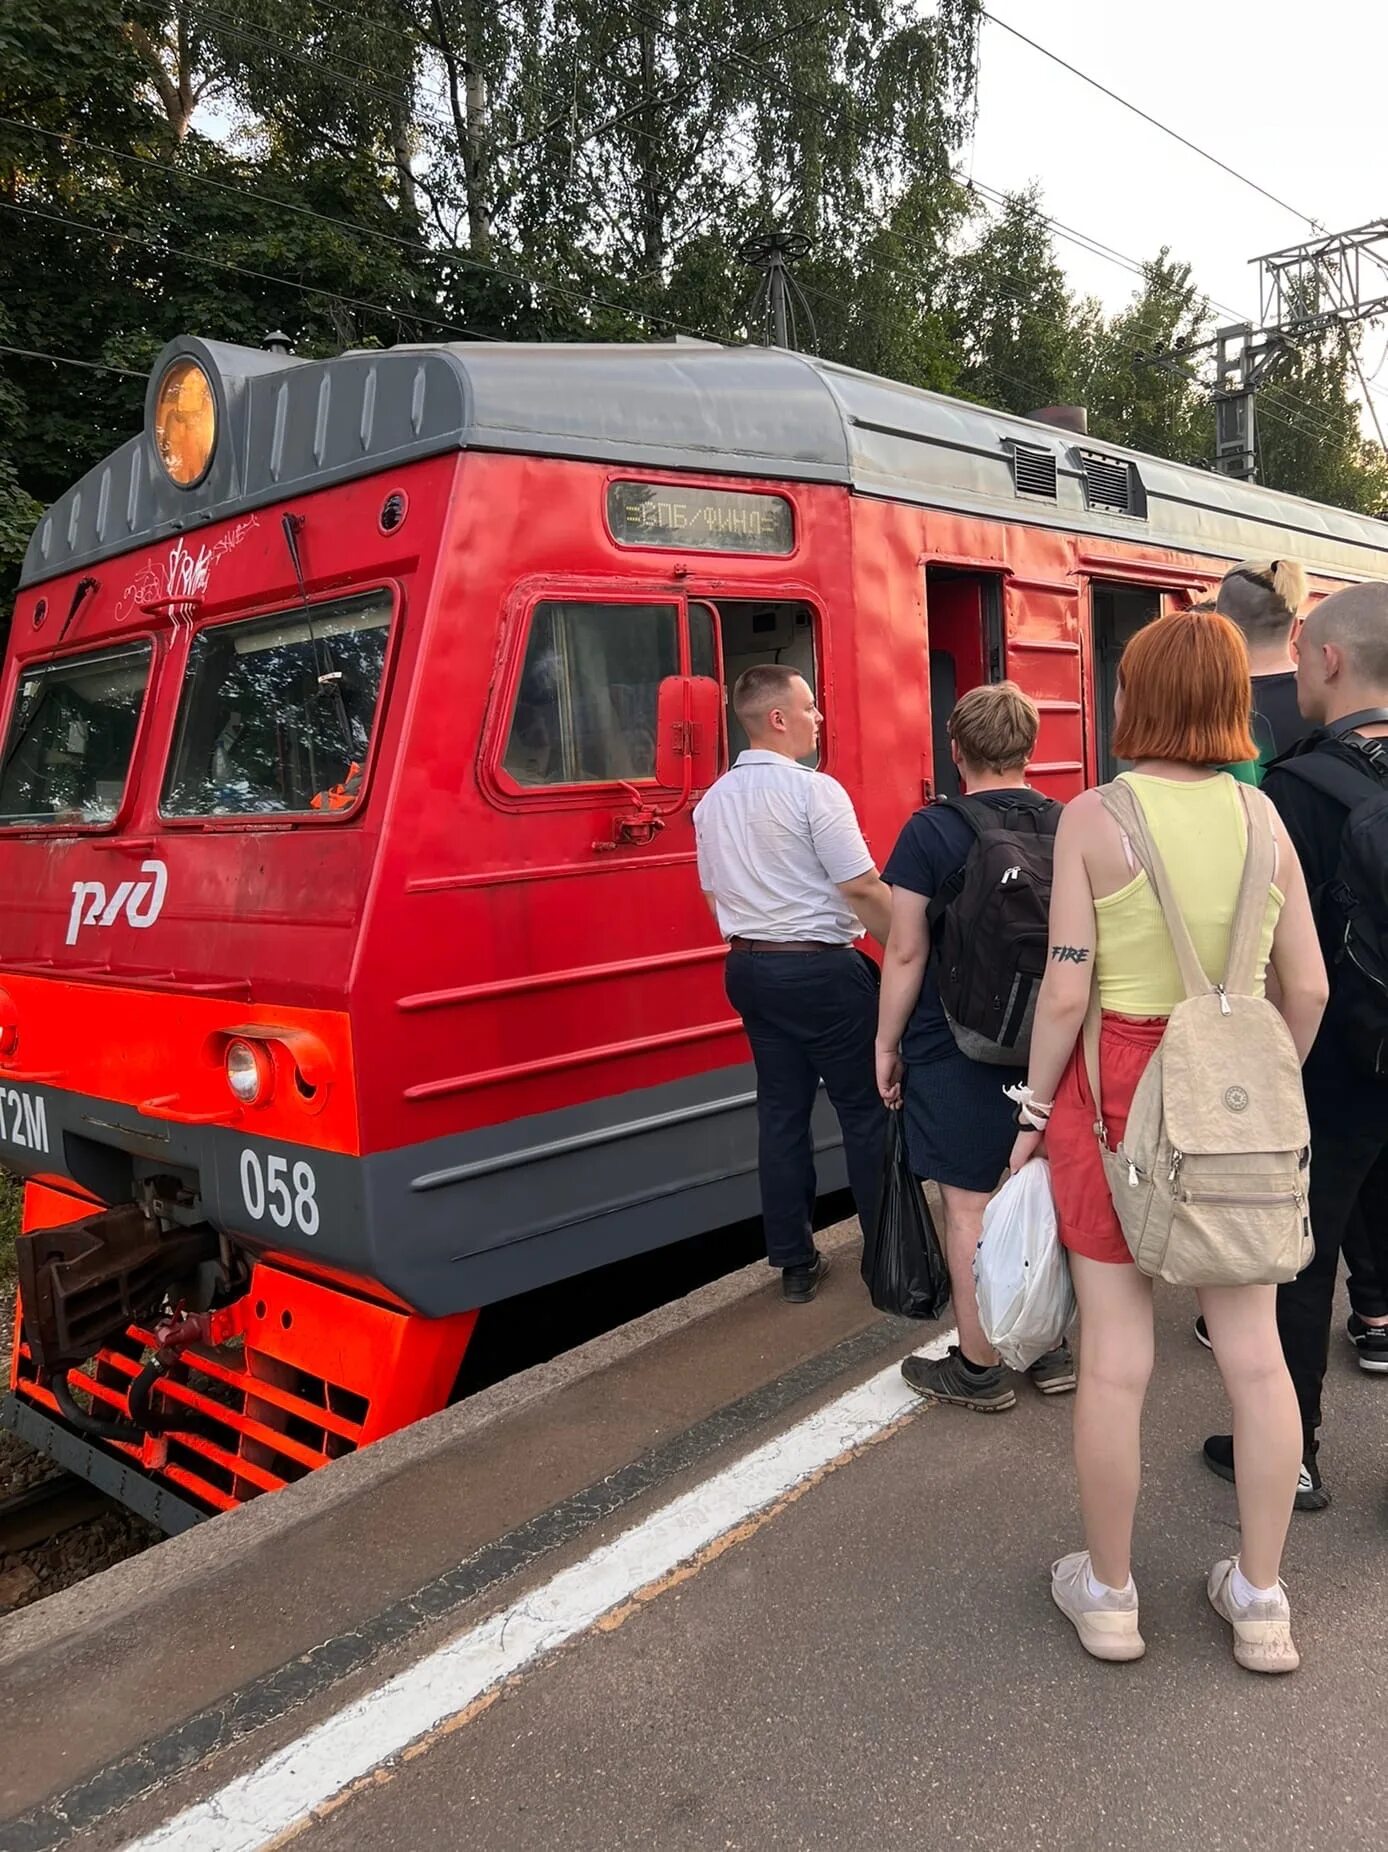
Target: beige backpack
{"points": [[1210, 1181]]}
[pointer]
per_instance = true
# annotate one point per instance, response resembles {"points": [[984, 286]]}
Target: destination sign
{"points": [[661, 514]]}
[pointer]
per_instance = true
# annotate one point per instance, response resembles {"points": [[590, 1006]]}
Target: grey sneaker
{"points": [[1054, 1374], [1106, 1624], [947, 1379], [1262, 1629]]}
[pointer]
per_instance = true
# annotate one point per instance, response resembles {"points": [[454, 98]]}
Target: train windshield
{"points": [[276, 713], [71, 738]]}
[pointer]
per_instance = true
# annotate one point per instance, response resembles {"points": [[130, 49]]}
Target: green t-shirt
{"points": [[1275, 724]]}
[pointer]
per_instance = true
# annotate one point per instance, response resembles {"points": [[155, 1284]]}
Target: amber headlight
{"points": [[185, 422]]}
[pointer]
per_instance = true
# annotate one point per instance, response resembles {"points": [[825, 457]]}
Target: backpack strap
{"points": [[1336, 774], [1124, 806], [1093, 1023], [1250, 909]]}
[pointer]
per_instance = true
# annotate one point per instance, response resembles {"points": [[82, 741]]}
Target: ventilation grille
{"points": [[1112, 484], [1033, 471]]}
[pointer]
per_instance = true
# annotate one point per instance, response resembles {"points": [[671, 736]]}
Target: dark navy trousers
{"points": [[810, 1016]]}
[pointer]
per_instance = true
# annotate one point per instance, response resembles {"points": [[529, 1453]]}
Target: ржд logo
{"points": [[140, 901]]}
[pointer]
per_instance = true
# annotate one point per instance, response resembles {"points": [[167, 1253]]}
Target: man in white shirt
{"points": [[784, 867]]}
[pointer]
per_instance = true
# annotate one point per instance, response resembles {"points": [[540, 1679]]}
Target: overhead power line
{"points": [[1155, 121], [162, 246], [70, 360]]}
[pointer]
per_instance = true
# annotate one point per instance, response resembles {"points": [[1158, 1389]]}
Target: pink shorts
{"points": [[1083, 1205]]}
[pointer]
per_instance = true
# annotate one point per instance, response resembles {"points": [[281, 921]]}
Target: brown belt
{"points": [[787, 945]]}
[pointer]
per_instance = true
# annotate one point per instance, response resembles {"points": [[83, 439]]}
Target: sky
{"points": [[1290, 95]]}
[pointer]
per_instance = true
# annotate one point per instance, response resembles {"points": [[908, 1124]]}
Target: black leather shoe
{"points": [[800, 1284]]}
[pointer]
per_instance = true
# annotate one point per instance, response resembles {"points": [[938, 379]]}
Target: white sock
{"points": [[1244, 1591], [1098, 1589]]}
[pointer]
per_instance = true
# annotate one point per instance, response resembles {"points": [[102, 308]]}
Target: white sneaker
{"points": [[1106, 1624], [1262, 1629]]}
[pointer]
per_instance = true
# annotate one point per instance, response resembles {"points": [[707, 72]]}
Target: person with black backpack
{"points": [[971, 883], [1331, 791]]}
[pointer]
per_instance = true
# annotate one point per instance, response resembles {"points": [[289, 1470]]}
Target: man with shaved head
{"points": [[1332, 793]]}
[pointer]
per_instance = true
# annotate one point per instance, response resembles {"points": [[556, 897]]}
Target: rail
{"points": [[46, 1510]]}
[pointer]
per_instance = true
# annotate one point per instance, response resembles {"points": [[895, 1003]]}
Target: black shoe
{"points": [[800, 1284], [1202, 1334], [1054, 1374], [1371, 1342], [1311, 1495], [950, 1379]]}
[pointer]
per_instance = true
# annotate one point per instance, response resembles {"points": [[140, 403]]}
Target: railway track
{"points": [[47, 1510]]}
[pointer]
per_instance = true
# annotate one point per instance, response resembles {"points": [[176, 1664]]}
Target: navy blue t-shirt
{"points": [[933, 847]]}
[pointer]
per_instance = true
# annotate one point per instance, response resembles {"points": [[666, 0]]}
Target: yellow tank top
{"points": [[1202, 833]]}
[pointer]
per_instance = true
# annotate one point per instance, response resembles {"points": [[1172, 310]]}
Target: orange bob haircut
{"points": [[1186, 692]]}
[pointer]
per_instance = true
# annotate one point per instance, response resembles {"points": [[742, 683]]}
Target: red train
{"points": [[353, 970]]}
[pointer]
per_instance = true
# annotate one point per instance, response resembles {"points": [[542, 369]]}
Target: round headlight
{"points": [[250, 1073], [185, 422]]}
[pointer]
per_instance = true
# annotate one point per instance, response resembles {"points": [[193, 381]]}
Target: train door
{"points": [[1118, 612], [963, 615]]}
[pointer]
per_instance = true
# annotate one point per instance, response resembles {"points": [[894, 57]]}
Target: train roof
{"points": [[288, 426]]}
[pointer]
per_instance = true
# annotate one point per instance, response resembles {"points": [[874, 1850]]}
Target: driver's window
{"points": [[589, 690]]}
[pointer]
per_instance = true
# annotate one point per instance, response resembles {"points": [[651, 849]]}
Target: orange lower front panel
{"points": [[315, 1373]]}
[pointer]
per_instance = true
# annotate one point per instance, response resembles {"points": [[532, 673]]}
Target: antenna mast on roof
{"points": [[778, 296]]}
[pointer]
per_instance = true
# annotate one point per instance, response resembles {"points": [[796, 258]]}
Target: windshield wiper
{"points": [[329, 675]]}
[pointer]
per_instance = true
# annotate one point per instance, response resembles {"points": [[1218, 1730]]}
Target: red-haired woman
{"points": [[1182, 709]]}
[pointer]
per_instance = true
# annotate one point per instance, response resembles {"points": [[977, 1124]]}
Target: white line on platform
{"points": [[283, 1791]]}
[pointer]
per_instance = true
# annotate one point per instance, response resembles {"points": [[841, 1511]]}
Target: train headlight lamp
{"points": [[250, 1073], [185, 422]]}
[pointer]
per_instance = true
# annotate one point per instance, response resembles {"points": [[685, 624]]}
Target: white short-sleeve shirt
{"points": [[775, 840]]}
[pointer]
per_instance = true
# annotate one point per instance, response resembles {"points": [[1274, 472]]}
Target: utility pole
{"points": [[1330, 281], [1243, 358], [778, 294]]}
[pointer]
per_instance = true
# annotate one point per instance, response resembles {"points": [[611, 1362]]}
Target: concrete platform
{"points": [[250, 1615], [875, 1664]]}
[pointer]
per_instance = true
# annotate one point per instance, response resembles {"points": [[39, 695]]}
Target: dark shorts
{"points": [[960, 1125]]}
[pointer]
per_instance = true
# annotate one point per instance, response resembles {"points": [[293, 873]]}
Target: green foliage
{"points": [[549, 170]]}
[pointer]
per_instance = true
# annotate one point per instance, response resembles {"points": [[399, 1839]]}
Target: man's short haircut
{"points": [[995, 727], [1357, 620], [1186, 692], [759, 689], [1262, 597]]}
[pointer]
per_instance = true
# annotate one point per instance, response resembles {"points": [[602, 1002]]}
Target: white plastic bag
{"points": [[1026, 1302]]}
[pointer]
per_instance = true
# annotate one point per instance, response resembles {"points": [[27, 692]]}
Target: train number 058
{"points": [[288, 1196]]}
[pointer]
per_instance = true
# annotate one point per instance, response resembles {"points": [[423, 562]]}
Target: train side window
{"points": [[760, 630], [586, 708], [1118, 613]]}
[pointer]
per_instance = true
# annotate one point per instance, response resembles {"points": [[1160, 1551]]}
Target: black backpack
{"points": [[1352, 910], [989, 927]]}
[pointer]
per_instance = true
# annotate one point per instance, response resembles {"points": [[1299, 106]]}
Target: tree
{"points": [[1135, 395], [1013, 318], [1310, 436]]}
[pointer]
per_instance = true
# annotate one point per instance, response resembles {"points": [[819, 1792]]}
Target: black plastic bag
{"points": [[903, 1267]]}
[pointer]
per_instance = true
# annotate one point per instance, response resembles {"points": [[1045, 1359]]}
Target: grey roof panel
{"points": [[291, 426]]}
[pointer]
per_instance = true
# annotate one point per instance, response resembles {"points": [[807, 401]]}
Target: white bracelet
{"points": [[1032, 1112]]}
